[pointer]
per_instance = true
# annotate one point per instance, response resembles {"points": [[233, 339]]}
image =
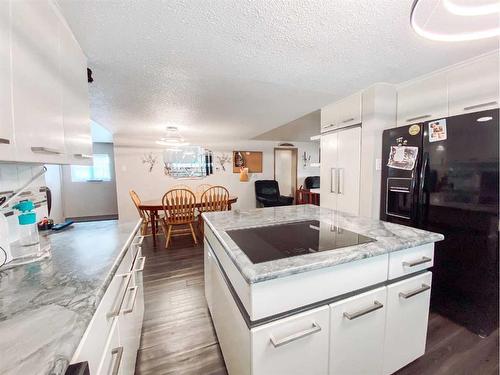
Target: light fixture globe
{"points": [[456, 20]]}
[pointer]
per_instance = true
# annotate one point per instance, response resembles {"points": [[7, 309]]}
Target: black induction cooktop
{"points": [[263, 244]]}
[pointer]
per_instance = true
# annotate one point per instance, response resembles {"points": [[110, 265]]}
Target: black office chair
{"points": [[311, 182], [267, 193]]}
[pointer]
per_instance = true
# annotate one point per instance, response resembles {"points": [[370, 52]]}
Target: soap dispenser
{"points": [[29, 240]]}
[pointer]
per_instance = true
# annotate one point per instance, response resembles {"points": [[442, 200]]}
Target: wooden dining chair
{"points": [[180, 186], [179, 209], [200, 189], [215, 198], [143, 214]]}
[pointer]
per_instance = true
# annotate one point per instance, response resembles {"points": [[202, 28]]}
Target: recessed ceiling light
{"points": [[449, 21], [484, 119]]}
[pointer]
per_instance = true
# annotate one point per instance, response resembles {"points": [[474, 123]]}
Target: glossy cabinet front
{"points": [[44, 111]]}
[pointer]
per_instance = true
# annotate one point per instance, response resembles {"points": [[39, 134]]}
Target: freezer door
{"points": [[459, 198]]}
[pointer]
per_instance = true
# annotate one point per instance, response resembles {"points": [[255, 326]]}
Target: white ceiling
{"points": [[221, 69]]}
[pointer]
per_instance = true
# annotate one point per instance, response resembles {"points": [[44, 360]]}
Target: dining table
{"points": [[154, 206]]}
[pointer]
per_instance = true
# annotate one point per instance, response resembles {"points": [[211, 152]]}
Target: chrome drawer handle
{"points": [[139, 241], [134, 290], [376, 305], [4, 141], [45, 150], [418, 118], [118, 303], [310, 331], [116, 364], [417, 262], [328, 126], [479, 105], [348, 120], [412, 293], [143, 263]]}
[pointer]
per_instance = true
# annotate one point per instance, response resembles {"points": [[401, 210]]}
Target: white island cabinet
{"points": [[346, 314]]}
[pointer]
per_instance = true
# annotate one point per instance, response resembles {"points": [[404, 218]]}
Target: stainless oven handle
{"points": [[393, 190], [412, 293], [295, 336], [376, 305]]}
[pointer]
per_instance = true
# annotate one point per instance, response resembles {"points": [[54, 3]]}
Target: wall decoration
{"points": [[150, 160], [247, 159], [222, 160], [306, 159]]}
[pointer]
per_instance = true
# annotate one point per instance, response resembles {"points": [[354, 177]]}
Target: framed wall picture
{"points": [[247, 159]]}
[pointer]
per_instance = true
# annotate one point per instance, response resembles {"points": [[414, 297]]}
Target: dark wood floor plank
{"points": [[178, 336]]}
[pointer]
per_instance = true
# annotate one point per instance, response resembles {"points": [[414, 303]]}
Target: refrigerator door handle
{"points": [[333, 180]]}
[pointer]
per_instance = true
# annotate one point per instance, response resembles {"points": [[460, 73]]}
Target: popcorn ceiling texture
{"points": [[235, 69]]}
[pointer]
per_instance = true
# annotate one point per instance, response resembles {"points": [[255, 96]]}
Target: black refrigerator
{"points": [[443, 176]]}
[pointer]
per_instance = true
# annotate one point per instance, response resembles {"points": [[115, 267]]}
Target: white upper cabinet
{"points": [[345, 112], [76, 118], [7, 150], [36, 82], [423, 100], [474, 86]]}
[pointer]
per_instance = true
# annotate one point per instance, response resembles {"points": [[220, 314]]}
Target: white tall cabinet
{"points": [[340, 164], [44, 111]]}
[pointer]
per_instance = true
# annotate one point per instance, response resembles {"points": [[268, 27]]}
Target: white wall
{"points": [[132, 173], [53, 179], [87, 199]]}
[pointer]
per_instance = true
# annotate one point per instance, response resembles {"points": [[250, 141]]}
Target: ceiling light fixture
{"points": [[172, 138], [445, 20]]}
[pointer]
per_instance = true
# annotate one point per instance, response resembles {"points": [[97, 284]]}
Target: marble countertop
{"points": [[46, 306], [389, 237]]}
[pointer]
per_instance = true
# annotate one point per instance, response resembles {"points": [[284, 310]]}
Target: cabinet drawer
{"points": [[412, 260], [406, 321], [93, 343], [357, 333], [278, 347], [112, 354]]}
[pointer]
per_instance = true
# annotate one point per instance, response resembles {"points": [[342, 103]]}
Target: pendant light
{"points": [[172, 138], [456, 20]]}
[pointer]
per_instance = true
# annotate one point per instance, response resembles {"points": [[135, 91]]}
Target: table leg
{"points": [[153, 226]]}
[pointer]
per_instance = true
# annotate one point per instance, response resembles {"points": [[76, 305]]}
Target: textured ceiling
{"points": [[301, 129], [223, 69]]}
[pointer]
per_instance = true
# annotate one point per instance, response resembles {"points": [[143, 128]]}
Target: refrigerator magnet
{"points": [[437, 130], [414, 129]]}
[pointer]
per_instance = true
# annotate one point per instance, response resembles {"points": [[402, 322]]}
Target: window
{"points": [[99, 171]]}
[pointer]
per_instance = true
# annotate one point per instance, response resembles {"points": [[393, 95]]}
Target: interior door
{"points": [[328, 187], [348, 164], [285, 170]]}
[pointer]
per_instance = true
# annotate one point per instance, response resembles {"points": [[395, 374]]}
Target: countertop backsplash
{"points": [[12, 177]]}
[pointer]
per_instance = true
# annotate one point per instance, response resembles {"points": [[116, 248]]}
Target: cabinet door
{"points": [[348, 173], [112, 355], [76, 116], [328, 118], [328, 170], [357, 334], [406, 321], [474, 87], [348, 111], [294, 345], [36, 82], [423, 100], [131, 317], [7, 150], [208, 274]]}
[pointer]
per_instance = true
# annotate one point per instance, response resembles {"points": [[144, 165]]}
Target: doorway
{"points": [[285, 170]]}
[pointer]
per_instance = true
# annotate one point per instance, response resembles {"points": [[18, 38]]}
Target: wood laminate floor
{"points": [[178, 336]]}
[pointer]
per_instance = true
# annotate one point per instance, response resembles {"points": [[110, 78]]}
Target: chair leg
{"points": [[200, 225], [168, 235], [192, 232]]}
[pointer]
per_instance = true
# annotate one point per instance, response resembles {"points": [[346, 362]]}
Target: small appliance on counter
{"points": [[29, 240]]}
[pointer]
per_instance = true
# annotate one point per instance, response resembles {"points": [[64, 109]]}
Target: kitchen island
{"points": [[352, 296], [48, 307]]}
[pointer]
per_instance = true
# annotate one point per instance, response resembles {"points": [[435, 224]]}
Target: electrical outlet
{"points": [[378, 164]]}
